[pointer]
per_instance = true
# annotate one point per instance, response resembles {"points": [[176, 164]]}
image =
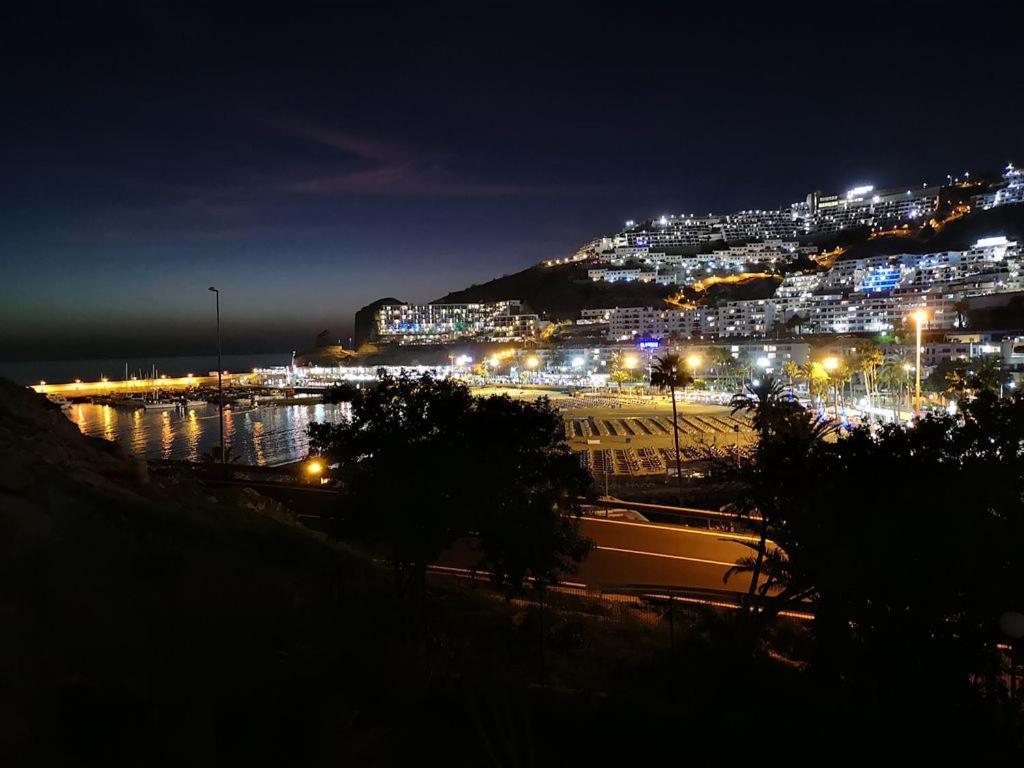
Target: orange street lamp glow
{"points": [[532, 362], [631, 361], [314, 468], [831, 363], [919, 317], [693, 361]]}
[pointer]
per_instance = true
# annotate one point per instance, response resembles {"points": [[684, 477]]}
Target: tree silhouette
{"points": [[906, 578], [425, 463], [668, 373]]}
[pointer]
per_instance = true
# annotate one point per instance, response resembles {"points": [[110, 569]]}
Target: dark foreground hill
{"points": [[148, 621]]}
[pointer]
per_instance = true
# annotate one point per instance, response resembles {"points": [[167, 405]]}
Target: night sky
{"points": [[308, 162]]}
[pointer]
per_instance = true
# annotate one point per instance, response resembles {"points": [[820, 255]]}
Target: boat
{"points": [[63, 402], [159, 405]]}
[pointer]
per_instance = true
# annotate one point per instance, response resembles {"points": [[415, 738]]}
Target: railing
{"points": [[688, 516]]}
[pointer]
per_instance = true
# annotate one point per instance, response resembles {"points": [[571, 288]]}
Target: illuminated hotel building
{"points": [[443, 323]]}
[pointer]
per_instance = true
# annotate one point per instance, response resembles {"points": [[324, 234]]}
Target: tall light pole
{"points": [[831, 365], [919, 317], [220, 382], [906, 371]]}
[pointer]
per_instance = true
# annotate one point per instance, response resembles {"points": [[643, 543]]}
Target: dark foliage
{"points": [[906, 540], [341, 392], [426, 464]]}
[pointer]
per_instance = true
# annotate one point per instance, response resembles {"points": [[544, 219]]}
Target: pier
{"points": [[140, 386]]}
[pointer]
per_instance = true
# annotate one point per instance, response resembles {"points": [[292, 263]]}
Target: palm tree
{"points": [[762, 400], [867, 361], [960, 307], [795, 322], [792, 371], [668, 373], [775, 417], [891, 376]]}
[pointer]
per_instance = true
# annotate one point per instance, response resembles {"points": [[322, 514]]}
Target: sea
{"points": [[267, 435]]}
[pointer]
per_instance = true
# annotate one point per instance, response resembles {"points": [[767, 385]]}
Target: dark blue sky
{"points": [[308, 161]]}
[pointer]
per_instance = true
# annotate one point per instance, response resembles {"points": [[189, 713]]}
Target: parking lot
{"points": [[634, 437]]}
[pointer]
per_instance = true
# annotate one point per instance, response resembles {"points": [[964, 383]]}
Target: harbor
{"points": [[264, 435]]}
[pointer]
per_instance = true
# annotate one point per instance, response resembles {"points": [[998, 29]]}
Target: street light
{"points": [[831, 364], [220, 381], [907, 368], [631, 362], [919, 317]]}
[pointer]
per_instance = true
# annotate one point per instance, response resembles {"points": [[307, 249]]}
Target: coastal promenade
{"points": [[109, 387]]}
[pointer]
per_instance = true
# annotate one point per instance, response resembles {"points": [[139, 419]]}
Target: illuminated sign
{"points": [[648, 343]]}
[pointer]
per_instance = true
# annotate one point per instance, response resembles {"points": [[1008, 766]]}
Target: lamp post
{"points": [[919, 317], [694, 362], [907, 368], [220, 381], [830, 365]]}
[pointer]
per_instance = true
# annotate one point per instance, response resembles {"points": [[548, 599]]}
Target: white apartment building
{"points": [[604, 274], [441, 323], [864, 206], [734, 318], [1010, 191]]}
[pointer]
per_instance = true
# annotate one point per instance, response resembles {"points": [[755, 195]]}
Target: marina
{"points": [[269, 435]]}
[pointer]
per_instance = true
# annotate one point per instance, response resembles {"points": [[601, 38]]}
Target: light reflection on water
{"points": [[266, 436]]}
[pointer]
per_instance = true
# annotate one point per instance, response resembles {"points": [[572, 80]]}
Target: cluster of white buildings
{"points": [[868, 295], [1010, 191], [642, 264], [861, 206], [818, 213], [445, 323]]}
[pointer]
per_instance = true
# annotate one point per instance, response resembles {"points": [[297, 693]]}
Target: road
{"points": [[626, 553], [658, 554], [650, 554]]}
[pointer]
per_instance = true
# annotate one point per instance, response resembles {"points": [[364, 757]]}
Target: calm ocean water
{"points": [[266, 436], [56, 371]]}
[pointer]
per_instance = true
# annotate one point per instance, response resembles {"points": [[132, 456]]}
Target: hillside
{"points": [[150, 621], [561, 291], [958, 235]]}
